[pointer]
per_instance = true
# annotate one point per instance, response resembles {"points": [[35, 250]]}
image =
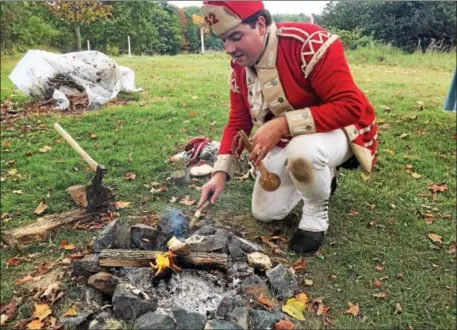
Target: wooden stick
{"points": [[260, 166], [140, 258], [44, 226], [197, 214]]}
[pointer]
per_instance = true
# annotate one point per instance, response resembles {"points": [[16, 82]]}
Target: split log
{"points": [[44, 226], [141, 258]]}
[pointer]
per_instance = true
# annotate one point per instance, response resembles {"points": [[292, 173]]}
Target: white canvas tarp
{"points": [[46, 75]]}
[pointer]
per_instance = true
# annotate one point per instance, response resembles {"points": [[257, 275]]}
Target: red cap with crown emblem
{"points": [[223, 16]]}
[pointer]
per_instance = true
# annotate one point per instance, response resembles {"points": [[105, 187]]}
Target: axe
{"points": [[98, 197]]}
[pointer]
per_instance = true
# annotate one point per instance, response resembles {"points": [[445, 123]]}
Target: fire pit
{"points": [[170, 277]]}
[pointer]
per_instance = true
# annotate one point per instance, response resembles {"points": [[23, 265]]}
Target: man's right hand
{"points": [[214, 186]]}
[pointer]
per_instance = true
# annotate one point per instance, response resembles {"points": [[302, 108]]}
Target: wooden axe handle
{"points": [[249, 147], [92, 163]]}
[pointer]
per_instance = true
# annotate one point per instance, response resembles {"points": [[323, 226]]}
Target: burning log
{"points": [[140, 258]]}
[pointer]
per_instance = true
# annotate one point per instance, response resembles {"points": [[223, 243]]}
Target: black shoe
{"points": [[304, 241]]}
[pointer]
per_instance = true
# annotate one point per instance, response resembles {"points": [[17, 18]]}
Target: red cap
{"points": [[222, 16]]}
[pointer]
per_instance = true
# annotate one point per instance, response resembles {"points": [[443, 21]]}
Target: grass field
{"points": [[379, 220]]}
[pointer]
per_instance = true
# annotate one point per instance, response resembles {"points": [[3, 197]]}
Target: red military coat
{"points": [[303, 75]]}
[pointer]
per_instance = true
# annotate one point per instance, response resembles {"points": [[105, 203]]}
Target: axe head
{"points": [[99, 198]]}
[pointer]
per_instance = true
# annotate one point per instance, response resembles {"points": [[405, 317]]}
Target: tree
{"points": [[81, 12]]}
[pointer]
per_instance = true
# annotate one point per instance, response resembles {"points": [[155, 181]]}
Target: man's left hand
{"points": [[266, 137]]}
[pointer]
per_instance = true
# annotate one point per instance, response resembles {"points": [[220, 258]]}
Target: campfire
{"points": [[170, 276]]}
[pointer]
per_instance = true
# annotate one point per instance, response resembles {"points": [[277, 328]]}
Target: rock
{"points": [[147, 238], [93, 297], [174, 223], [235, 252], [114, 236], [221, 325], [78, 322], [205, 230], [129, 306], [282, 281], [239, 270], [140, 277], [154, 321], [210, 243], [227, 305], [186, 320], [87, 265], [104, 282], [253, 287], [259, 260], [105, 321], [260, 319], [246, 246], [240, 315]]}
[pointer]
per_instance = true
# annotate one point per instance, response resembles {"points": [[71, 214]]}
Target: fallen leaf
{"points": [[299, 264], [398, 309], [3, 319], [6, 144], [385, 127], [294, 308], [18, 192], [266, 240], [372, 206], [41, 311], [265, 301], [302, 297], [390, 152], [284, 324], [13, 262], [35, 325], [71, 312], [451, 249], [353, 213], [377, 283], [435, 238], [187, 201], [8, 310], [173, 199], [192, 114], [380, 268], [408, 168], [429, 218], [52, 289], [45, 149], [12, 171], [416, 175], [404, 135], [322, 310], [93, 136], [40, 208], [26, 279], [130, 176], [66, 246], [3, 216], [381, 294], [353, 309], [386, 108], [437, 187], [121, 205], [308, 282], [365, 177]]}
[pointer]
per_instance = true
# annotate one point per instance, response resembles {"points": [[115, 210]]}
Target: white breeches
{"points": [[320, 153]]}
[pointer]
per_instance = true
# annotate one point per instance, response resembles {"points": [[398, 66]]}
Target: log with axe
{"points": [[98, 197]]}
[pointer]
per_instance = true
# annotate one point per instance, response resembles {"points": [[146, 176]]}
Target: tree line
{"points": [[162, 28]]}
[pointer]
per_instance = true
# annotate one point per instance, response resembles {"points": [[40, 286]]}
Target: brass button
{"points": [[250, 93], [309, 127], [249, 80], [305, 115], [280, 100], [355, 131], [274, 82]]}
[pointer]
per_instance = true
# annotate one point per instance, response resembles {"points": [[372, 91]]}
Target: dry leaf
{"points": [[173, 199], [299, 264], [390, 152], [437, 187], [377, 283], [381, 294], [435, 238], [187, 201], [308, 282], [398, 309], [35, 325], [93, 136], [40, 208], [12, 171], [429, 218], [385, 127], [66, 246], [353, 213], [353, 309], [7, 311], [26, 279], [121, 205], [13, 262], [3, 319], [294, 308], [130, 176], [380, 268], [416, 175], [451, 249], [408, 168], [18, 192], [45, 149], [51, 290], [265, 301], [71, 312], [266, 240], [284, 324], [404, 135], [41, 311]]}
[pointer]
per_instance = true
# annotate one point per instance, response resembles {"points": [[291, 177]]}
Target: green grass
{"points": [[183, 95]]}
